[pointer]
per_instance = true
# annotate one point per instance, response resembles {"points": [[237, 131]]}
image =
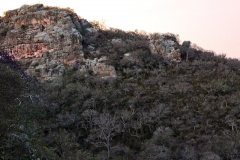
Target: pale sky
{"points": [[211, 24]]}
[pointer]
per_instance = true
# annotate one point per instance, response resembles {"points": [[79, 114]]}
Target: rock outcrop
{"points": [[47, 40], [166, 48], [100, 68]]}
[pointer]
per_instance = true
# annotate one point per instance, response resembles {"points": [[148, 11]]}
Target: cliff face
{"points": [[47, 40], [43, 39]]}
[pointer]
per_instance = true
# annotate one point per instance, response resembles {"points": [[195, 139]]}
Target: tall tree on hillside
{"points": [[105, 128]]}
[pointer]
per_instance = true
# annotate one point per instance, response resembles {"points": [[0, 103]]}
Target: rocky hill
{"points": [[114, 94], [47, 40]]}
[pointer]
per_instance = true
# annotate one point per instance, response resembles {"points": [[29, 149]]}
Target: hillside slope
{"points": [[114, 94]]}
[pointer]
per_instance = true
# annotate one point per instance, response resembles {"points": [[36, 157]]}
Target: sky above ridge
{"points": [[211, 24]]}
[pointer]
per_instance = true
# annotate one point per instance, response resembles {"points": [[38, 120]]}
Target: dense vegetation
{"points": [[154, 109]]}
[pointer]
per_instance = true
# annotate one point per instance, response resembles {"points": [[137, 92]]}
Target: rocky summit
{"points": [[47, 40]]}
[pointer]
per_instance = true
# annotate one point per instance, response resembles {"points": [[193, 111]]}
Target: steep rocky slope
{"points": [[47, 40]]}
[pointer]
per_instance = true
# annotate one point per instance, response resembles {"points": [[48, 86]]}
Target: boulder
{"points": [[127, 54], [104, 70], [167, 48], [99, 68]]}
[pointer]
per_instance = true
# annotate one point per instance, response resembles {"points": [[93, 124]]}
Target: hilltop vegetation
{"points": [[154, 108]]}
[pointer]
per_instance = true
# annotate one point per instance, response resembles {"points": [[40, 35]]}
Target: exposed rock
{"points": [[118, 42], [166, 48], [130, 58], [48, 37], [20, 51], [103, 58], [92, 30], [104, 70], [84, 22], [74, 64], [42, 37], [91, 35], [91, 63], [99, 68], [127, 54], [52, 64]]}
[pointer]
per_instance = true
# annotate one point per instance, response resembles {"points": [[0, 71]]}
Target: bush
{"points": [[11, 77]]}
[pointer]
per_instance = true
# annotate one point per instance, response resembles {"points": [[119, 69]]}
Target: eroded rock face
{"points": [[166, 48], [21, 51], [47, 40], [43, 36]]}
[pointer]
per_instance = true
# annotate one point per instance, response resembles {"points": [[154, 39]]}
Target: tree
{"points": [[104, 129]]}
